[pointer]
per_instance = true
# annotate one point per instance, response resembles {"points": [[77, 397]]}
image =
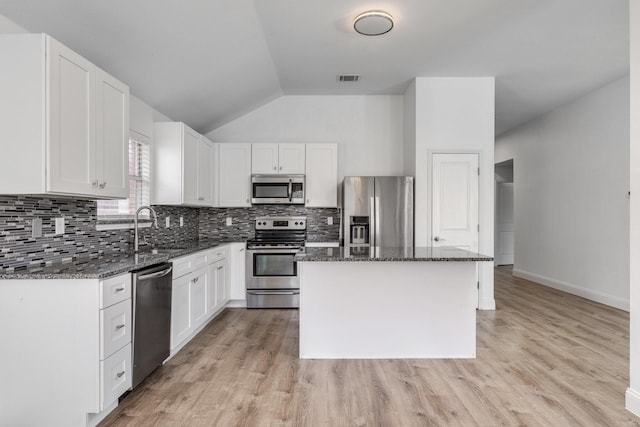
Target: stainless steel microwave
{"points": [[277, 189]]}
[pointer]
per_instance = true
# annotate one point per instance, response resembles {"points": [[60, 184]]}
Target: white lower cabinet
{"points": [[69, 349], [180, 310], [199, 293], [199, 296], [236, 280]]}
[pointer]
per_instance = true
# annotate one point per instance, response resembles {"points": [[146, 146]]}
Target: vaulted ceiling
{"points": [[206, 62]]}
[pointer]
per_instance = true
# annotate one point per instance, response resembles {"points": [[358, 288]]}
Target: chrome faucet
{"points": [[135, 225]]}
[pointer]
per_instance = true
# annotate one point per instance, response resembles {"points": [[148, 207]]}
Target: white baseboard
{"points": [[487, 304], [602, 298], [95, 419], [632, 401]]}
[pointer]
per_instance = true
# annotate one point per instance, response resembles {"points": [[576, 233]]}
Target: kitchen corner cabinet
{"points": [[233, 173], [64, 123], [278, 158], [66, 347], [183, 161], [321, 175]]}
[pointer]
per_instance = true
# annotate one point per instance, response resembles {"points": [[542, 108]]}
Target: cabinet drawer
{"points": [[216, 254], [115, 289], [201, 258], [115, 376], [182, 266], [115, 328]]}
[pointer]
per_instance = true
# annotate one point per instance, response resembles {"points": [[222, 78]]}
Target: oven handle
{"points": [[273, 251], [273, 292]]}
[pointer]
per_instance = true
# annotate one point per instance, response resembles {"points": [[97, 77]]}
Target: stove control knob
{"points": [[301, 223], [296, 222]]}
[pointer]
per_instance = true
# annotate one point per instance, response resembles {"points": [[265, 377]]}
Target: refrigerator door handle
{"points": [[372, 221], [377, 224]]}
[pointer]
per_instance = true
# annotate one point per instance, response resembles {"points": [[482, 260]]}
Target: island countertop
{"points": [[420, 253]]}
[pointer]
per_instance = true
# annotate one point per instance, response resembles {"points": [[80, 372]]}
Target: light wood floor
{"points": [[545, 358]]}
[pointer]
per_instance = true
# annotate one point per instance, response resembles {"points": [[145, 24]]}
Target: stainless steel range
{"points": [[272, 273]]}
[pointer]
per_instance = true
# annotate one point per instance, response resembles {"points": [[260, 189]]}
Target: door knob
{"points": [[438, 239]]}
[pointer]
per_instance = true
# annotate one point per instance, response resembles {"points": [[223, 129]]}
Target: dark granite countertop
{"points": [[103, 266], [389, 254]]}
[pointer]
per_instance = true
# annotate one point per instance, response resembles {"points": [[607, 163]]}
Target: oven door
{"points": [[272, 269]]}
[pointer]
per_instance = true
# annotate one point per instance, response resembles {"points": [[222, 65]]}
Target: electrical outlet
{"points": [[229, 221], [329, 220], [167, 222], [60, 225], [181, 222]]}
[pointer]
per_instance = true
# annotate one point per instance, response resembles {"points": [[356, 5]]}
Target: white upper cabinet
{"points": [[278, 158], [64, 123], [321, 176], [183, 161], [233, 183]]}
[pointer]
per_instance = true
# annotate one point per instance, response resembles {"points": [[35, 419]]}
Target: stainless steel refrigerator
{"points": [[377, 211]]}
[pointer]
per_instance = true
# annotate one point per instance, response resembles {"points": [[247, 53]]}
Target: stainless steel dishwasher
{"points": [[151, 319]]}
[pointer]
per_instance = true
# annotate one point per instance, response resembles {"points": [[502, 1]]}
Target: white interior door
{"points": [[505, 239], [455, 200]]}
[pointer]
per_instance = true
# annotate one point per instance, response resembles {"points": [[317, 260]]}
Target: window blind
{"points": [[139, 184]]}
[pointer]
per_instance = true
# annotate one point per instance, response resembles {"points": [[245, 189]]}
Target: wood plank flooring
{"points": [[545, 358]]}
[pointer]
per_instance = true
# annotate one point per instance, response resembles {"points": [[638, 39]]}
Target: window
{"points": [[139, 184]]}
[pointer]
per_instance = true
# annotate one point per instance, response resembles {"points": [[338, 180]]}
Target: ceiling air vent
{"points": [[348, 78]]}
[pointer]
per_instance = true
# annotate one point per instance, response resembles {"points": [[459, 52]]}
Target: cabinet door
{"points": [[205, 172], [180, 313], [199, 297], [264, 158], [221, 283], [190, 143], [234, 175], [291, 158], [71, 153], [321, 176], [237, 289], [112, 136], [211, 289]]}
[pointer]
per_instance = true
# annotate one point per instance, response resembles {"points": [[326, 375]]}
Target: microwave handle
{"points": [[290, 190]]}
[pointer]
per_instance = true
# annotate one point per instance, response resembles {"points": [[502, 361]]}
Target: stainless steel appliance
{"points": [[272, 273], [151, 319], [377, 211], [277, 189]]}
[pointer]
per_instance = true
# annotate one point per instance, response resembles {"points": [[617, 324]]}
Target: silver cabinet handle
{"points": [[219, 253], [119, 327], [247, 200], [219, 268], [120, 374], [275, 168], [119, 289], [241, 249], [307, 200], [201, 198], [280, 167], [195, 280], [94, 184], [438, 239], [104, 184]]}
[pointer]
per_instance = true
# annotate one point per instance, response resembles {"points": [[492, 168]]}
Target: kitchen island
{"points": [[388, 303]]}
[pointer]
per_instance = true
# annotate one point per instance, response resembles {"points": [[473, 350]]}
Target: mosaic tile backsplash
{"points": [[19, 250], [213, 221]]}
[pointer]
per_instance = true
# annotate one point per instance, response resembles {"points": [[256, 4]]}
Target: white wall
{"points": [[633, 392], [8, 26], [456, 114], [368, 129], [571, 207]]}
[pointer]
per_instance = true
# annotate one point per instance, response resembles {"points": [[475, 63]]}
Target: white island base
{"points": [[387, 310]]}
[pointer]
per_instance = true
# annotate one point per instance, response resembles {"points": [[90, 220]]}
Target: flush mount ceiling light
{"points": [[373, 23]]}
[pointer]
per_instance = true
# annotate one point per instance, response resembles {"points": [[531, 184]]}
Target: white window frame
{"points": [[113, 222]]}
